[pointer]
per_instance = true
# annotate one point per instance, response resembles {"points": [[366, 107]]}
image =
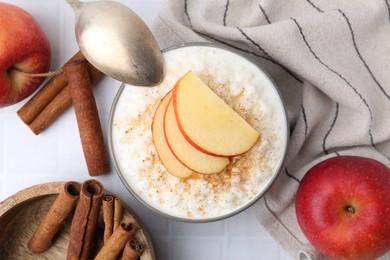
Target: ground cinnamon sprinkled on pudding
{"points": [[247, 91]]}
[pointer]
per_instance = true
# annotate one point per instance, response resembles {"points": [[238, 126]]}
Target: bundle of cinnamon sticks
{"points": [[86, 200], [73, 85], [52, 99]]}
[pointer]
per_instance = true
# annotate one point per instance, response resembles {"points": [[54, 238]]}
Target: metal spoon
{"points": [[116, 41]]}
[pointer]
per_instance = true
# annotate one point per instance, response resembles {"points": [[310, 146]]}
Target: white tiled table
{"points": [[56, 155]]}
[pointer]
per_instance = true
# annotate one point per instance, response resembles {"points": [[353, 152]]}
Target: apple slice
{"points": [[185, 152], [207, 122], [170, 162]]}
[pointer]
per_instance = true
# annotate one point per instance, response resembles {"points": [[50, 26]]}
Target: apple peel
{"points": [[186, 153], [168, 159], [343, 207], [207, 122], [25, 49]]}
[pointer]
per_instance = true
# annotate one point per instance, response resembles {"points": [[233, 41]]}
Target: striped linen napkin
{"points": [[331, 61]]}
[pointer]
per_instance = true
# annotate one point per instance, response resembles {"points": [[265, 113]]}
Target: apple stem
{"points": [[46, 74]]}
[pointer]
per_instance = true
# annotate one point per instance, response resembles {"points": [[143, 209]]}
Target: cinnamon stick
{"points": [[133, 250], [43, 97], [115, 244], [52, 111], [87, 115], [85, 220], [118, 212], [52, 99], [108, 216], [62, 206], [59, 103]]}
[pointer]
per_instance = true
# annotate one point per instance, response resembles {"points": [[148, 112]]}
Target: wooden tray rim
{"points": [[52, 188]]}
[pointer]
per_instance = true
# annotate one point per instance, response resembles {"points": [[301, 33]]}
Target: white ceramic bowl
{"points": [[200, 200]]}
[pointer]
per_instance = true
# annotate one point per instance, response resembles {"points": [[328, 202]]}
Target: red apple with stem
{"points": [[24, 50], [343, 207]]}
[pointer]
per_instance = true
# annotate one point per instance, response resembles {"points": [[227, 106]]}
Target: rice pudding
{"points": [[244, 87]]}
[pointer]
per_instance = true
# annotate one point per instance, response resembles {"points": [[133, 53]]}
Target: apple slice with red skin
{"points": [[186, 153], [24, 49], [207, 122], [343, 207], [168, 159]]}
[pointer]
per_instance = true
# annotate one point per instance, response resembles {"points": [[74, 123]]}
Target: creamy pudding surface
{"points": [[244, 87]]}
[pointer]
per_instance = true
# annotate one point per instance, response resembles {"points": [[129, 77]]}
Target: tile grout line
{"points": [[5, 143], [169, 239], [2, 142], [225, 242]]}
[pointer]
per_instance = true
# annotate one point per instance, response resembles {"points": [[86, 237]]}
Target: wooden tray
{"points": [[21, 214]]}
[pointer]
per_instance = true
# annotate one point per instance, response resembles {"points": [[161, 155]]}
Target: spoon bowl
{"points": [[116, 41]]}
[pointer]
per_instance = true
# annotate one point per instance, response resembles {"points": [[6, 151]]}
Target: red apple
{"points": [[343, 207], [24, 48]]}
